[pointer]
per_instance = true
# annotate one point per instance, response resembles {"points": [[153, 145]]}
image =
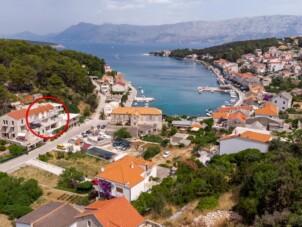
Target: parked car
{"points": [[166, 154]]}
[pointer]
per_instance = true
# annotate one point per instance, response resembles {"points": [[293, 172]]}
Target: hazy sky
{"points": [[44, 16]]}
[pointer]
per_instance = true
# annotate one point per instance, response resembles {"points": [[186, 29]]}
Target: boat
{"points": [[209, 115], [233, 100], [146, 104], [135, 103], [227, 103], [142, 91]]}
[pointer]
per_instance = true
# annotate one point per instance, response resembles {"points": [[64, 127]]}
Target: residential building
{"points": [[108, 79], [137, 116], [268, 110], [180, 138], [236, 119], [119, 87], [235, 143], [265, 123], [283, 101], [43, 119], [56, 214], [115, 212], [127, 177]]}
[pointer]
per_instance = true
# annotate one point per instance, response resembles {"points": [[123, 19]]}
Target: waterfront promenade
{"points": [[131, 96]]}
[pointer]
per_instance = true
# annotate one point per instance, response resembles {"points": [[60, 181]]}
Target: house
{"points": [[119, 87], [56, 214], [180, 138], [235, 143], [136, 116], [108, 79], [119, 77], [127, 177], [283, 101], [116, 212], [109, 107], [236, 119], [268, 110], [248, 57], [266, 81], [264, 123], [182, 123], [258, 68]]}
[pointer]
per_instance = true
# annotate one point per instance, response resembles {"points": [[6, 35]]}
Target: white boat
{"points": [[142, 91], [209, 115], [146, 104], [135, 103], [233, 100]]}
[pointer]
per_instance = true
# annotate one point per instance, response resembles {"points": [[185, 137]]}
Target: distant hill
{"points": [[188, 32]]}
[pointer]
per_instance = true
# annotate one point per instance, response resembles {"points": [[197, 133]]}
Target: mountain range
{"points": [[186, 32]]}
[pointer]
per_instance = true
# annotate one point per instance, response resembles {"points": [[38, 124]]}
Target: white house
{"points": [[283, 100], [235, 143], [119, 87], [127, 177]]}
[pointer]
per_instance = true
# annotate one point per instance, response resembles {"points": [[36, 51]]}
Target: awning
{"points": [[21, 134]]}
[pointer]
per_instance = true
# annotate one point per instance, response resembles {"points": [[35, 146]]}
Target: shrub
{"points": [[84, 186], [208, 203], [2, 142], [151, 152], [153, 139], [15, 150], [43, 157], [60, 155], [2, 148]]}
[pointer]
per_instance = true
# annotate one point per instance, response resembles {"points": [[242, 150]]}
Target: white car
{"points": [[166, 154]]}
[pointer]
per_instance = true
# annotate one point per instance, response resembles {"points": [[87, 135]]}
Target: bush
{"points": [[2, 148], [16, 210], [15, 150], [2, 142], [43, 158], [83, 201], [60, 155], [84, 186], [153, 139], [207, 203], [151, 152]]}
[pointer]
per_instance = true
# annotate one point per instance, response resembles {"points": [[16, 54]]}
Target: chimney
{"points": [[147, 166], [131, 165], [102, 169]]}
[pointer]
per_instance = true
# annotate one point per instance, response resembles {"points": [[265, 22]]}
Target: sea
{"points": [[173, 83]]}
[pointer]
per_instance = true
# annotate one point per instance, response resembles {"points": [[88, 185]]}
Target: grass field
{"points": [[43, 177], [4, 221], [90, 166]]}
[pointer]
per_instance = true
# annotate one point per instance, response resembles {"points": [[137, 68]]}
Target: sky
{"points": [[52, 16]]}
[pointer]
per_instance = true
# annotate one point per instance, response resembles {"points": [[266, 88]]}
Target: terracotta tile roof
{"points": [[19, 114], [126, 171], [249, 135], [257, 88], [137, 111], [116, 212], [196, 125], [120, 83], [217, 115], [268, 109], [231, 108], [238, 115]]}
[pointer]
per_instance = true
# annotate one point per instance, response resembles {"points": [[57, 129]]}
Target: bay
{"points": [[173, 83]]}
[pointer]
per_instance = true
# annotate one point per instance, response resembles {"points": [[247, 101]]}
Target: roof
{"points": [[57, 214], [135, 110], [120, 83], [249, 135], [231, 108], [217, 115], [182, 123], [268, 109], [284, 94], [116, 212], [196, 125], [238, 115], [19, 114], [257, 88], [126, 171]]}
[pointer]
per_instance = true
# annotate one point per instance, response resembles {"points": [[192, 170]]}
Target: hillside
{"points": [[230, 51], [28, 68], [187, 32]]}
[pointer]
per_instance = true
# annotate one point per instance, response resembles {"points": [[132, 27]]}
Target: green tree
{"points": [[15, 150], [122, 133], [70, 178]]}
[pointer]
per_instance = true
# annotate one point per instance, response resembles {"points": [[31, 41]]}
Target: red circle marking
{"points": [[56, 135]]}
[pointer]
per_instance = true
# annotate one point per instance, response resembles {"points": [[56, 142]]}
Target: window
{"points": [[275, 101], [4, 122], [283, 102], [89, 224], [120, 190], [13, 123]]}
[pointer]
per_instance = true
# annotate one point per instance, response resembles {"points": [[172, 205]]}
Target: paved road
{"points": [[16, 163]]}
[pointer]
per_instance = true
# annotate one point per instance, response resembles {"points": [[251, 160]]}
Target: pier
{"points": [[215, 89], [144, 99]]}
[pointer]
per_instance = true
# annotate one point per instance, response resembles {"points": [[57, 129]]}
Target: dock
{"points": [[144, 99], [215, 89]]}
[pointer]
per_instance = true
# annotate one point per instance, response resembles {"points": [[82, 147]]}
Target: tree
{"points": [[86, 112], [70, 178], [122, 133], [15, 150], [173, 131], [207, 203], [151, 152]]}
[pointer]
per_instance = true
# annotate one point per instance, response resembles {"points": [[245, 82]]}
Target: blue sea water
{"points": [[173, 83]]}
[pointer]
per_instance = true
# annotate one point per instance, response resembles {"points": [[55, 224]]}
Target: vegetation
{"points": [[207, 203], [70, 178], [35, 68], [230, 51], [17, 194], [151, 152], [153, 139], [122, 134], [15, 150]]}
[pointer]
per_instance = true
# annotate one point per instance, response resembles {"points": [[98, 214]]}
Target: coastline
{"points": [[216, 71]]}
